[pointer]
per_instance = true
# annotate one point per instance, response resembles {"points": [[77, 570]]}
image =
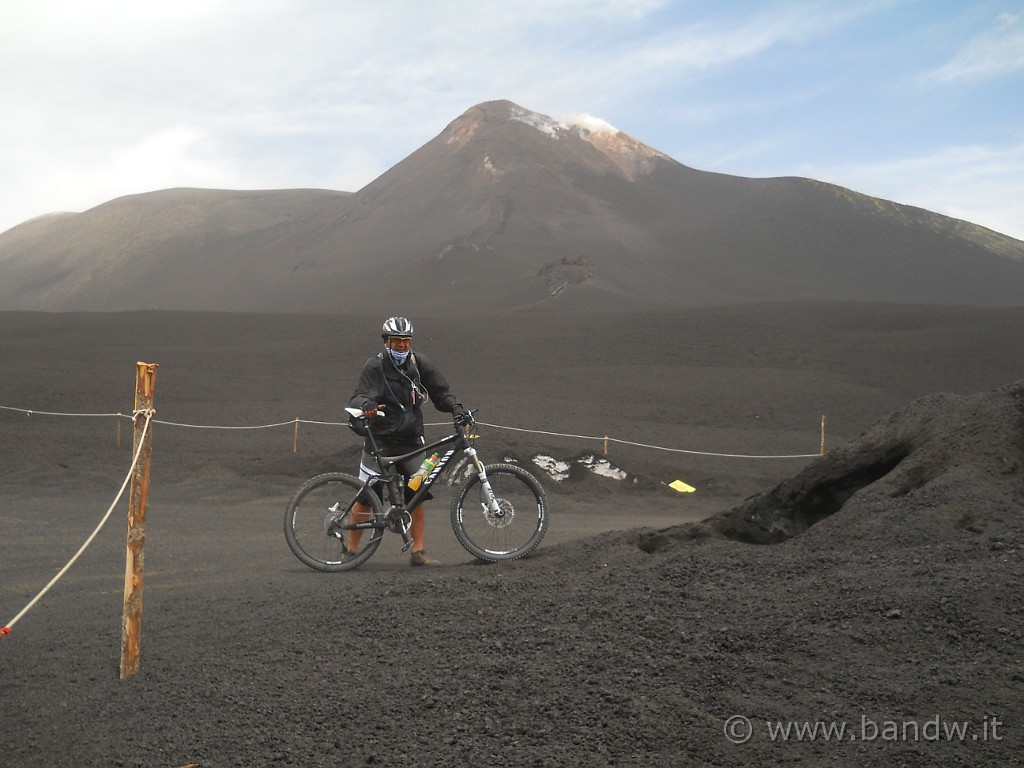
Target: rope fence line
{"points": [[30, 412], [658, 447], [149, 416], [6, 629], [296, 421], [214, 426]]}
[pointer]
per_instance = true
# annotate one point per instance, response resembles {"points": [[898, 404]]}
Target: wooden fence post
{"points": [[131, 620]]}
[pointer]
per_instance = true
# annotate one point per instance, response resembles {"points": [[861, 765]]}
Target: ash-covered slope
{"points": [[507, 208], [173, 249], [599, 217], [950, 462]]}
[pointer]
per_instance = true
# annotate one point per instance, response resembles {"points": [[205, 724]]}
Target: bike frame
{"points": [[395, 482]]}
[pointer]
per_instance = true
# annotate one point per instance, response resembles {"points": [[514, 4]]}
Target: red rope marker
{"points": [[5, 630]]}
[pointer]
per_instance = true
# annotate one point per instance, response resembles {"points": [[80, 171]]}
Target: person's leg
{"points": [[360, 514], [416, 530], [419, 524]]}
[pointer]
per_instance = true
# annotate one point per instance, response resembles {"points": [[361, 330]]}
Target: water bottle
{"points": [[424, 471]]}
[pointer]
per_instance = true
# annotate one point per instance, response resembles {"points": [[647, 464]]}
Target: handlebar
{"points": [[466, 418], [355, 413]]}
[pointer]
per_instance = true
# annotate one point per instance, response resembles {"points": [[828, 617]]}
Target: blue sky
{"points": [[918, 101]]}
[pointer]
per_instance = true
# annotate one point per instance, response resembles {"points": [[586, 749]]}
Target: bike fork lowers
{"points": [[489, 497]]}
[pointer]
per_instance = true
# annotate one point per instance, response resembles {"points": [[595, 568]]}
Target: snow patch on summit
{"points": [[540, 122], [581, 121]]}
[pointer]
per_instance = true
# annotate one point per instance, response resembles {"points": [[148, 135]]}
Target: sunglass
{"points": [[406, 339]]}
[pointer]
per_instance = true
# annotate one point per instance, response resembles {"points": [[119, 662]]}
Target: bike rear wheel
{"points": [[518, 525], [318, 520]]}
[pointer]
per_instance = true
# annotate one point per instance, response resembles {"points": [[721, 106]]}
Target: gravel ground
{"points": [[876, 590]]}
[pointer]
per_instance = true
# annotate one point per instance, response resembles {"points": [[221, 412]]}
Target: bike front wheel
{"points": [[320, 519], [510, 528]]}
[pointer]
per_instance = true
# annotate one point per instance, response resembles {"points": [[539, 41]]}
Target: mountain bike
{"points": [[498, 511]]}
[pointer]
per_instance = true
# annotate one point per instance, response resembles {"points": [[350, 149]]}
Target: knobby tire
{"points": [[521, 524], [310, 526]]}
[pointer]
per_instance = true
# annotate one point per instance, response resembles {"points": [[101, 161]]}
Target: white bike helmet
{"points": [[396, 326]]}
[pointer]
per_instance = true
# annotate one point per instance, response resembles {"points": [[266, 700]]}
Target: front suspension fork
{"points": [[489, 497]]}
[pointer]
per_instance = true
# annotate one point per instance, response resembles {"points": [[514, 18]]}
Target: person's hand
{"points": [[461, 416], [371, 412]]}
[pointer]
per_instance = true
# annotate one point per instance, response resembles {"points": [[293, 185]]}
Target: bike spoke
{"points": [[511, 526], [319, 524]]}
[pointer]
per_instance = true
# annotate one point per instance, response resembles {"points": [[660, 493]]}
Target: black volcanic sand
{"points": [[878, 586]]}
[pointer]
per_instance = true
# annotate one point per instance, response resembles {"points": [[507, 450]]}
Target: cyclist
{"points": [[397, 382]]}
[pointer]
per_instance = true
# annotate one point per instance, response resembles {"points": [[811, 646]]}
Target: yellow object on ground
{"points": [[679, 485]]}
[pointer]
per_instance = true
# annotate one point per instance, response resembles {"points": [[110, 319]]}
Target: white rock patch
{"points": [[557, 470], [602, 467]]}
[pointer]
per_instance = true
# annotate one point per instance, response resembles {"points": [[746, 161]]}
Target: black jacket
{"points": [[401, 389]]}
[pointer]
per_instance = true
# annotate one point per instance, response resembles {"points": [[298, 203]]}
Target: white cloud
{"points": [[590, 123], [724, 40], [68, 27], [996, 52], [178, 155]]}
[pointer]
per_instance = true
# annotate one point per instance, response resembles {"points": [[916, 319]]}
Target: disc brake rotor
{"points": [[332, 518], [503, 517]]}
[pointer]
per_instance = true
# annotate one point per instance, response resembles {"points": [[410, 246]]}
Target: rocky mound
{"points": [[944, 461]]}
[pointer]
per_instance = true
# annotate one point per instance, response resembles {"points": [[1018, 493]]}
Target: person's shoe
{"points": [[422, 558]]}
